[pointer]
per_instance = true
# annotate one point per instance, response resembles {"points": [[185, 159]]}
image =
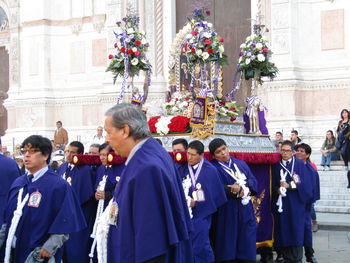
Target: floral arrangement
{"points": [[255, 57], [227, 108], [130, 49], [203, 44], [169, 124], [179, 104]]}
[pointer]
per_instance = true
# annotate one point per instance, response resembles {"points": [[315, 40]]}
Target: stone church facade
{"points": [[53, 61]]}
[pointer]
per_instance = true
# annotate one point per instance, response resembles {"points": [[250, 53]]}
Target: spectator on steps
{"points": [[329, 151]]}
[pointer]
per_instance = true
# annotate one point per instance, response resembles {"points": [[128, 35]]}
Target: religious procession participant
{"points": [[205, 196], [42, 210], [303, 153], [107, 178], [147, 218], [77, 248], [292, 190], [235, 224]]}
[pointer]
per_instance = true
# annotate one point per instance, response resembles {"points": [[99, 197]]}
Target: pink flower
{"points": [[122, 50], [221, 40], [194, 33], [265, 50], [186, 46], [137, 53], [115, 45], [193, 50], [110, 56], [207, 42], [240, 53]]}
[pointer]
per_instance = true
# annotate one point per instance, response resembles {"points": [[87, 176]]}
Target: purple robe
{"points": [[153, 217], [215, 197], [77, 248], [58, 213], [290, 224], [9, 171], [234, 226]]}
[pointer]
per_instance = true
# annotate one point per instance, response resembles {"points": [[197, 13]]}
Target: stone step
{"points": [[331, 196], [342, 179], [332, 168], [343, 203], [334, 190], [332, 209], [334, 184]]}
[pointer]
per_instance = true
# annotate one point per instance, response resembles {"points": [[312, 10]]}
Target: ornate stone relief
{"points": [[77, 25]]}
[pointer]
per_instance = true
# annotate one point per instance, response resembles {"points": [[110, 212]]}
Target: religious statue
{"points": [[254, 105]]}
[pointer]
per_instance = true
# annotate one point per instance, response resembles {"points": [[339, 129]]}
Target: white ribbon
{"points": [[240, 179], [194, 177], [101, 187], [102, 234], [17, 214], [283, 191], [186, 185]]}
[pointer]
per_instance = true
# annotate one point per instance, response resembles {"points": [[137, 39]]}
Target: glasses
{"points": [[29, 150], [286, 151]]}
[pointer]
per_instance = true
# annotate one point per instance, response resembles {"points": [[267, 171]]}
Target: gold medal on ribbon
{"points": [[117, 178], [113, 214], [34, 199]]}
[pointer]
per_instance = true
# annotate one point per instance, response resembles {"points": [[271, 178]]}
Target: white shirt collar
{"points": [[39, 173], [134, 150], [285, 162], [195, 166]]}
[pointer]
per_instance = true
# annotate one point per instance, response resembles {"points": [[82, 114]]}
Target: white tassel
{"points": [[102, 234], [186, 185], [242, 183], [17, 214], [283, 191]]}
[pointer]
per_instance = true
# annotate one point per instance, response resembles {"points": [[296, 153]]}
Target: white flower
{"points": [[242, 46], [162, 125], [191, 41], [221, 48], [261, 57], [210, 25], [130, 31], [134, 49], [247, 61], [199, 52], [142, 32], [134, 61], [189, 36], [205, 55], [207, 35], [205, 22], [118, 31], [143, 41], [240, 60], [200, 29], [259, 46]]}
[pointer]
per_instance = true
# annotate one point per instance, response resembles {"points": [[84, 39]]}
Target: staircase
{"points": [[335, 197]]}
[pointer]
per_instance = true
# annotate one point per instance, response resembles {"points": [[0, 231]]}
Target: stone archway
{"points": [[4, 69]]}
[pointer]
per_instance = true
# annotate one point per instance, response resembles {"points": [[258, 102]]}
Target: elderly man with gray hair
{"points": [[148, 215]]}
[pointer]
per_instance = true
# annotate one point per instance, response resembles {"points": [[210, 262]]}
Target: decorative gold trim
{"points": [[246, 135], [230, 122], [267, 243]]}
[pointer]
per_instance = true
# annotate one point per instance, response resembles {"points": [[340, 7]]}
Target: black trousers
{"points": [[160, 259], [309, 252], [292, 254]]}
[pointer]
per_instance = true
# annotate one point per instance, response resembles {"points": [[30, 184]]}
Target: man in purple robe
{"points": [[206, 195], [291, 191], [235, 225], [41, 211], [77, 248], [148, 217]]}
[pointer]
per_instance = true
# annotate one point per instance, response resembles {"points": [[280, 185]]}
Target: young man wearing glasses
{"points": [[41, 210], [292, 190]]}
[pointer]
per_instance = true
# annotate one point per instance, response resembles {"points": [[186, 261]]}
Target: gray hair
{"points": [[131, 115]]}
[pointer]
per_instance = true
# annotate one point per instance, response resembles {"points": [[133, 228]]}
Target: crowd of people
{"points": [[148, 208]]}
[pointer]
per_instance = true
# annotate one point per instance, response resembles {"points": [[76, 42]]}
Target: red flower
{"points": [[115, 45], [207, 42], [187, 99], [222, 40], [137, 42], [110, 56], [222, 102], [232, 109], [193, 50], [137, 53], [152, 124], [130, 52], [178, 124], [240, 53], [210, 50], [233, 118], [194, 33], [265, 50], [122, 50]]}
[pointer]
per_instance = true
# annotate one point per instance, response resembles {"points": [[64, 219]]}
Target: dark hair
{"points": [[95, 145], [79, 145], [287, 142], [216, 143], [41, 143], [295, 132], [180, 141], [59, 122], [197, 145], [333, 138], [280, 133], [341, 113], [159, 141], [307, 149], [104, 146]]}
